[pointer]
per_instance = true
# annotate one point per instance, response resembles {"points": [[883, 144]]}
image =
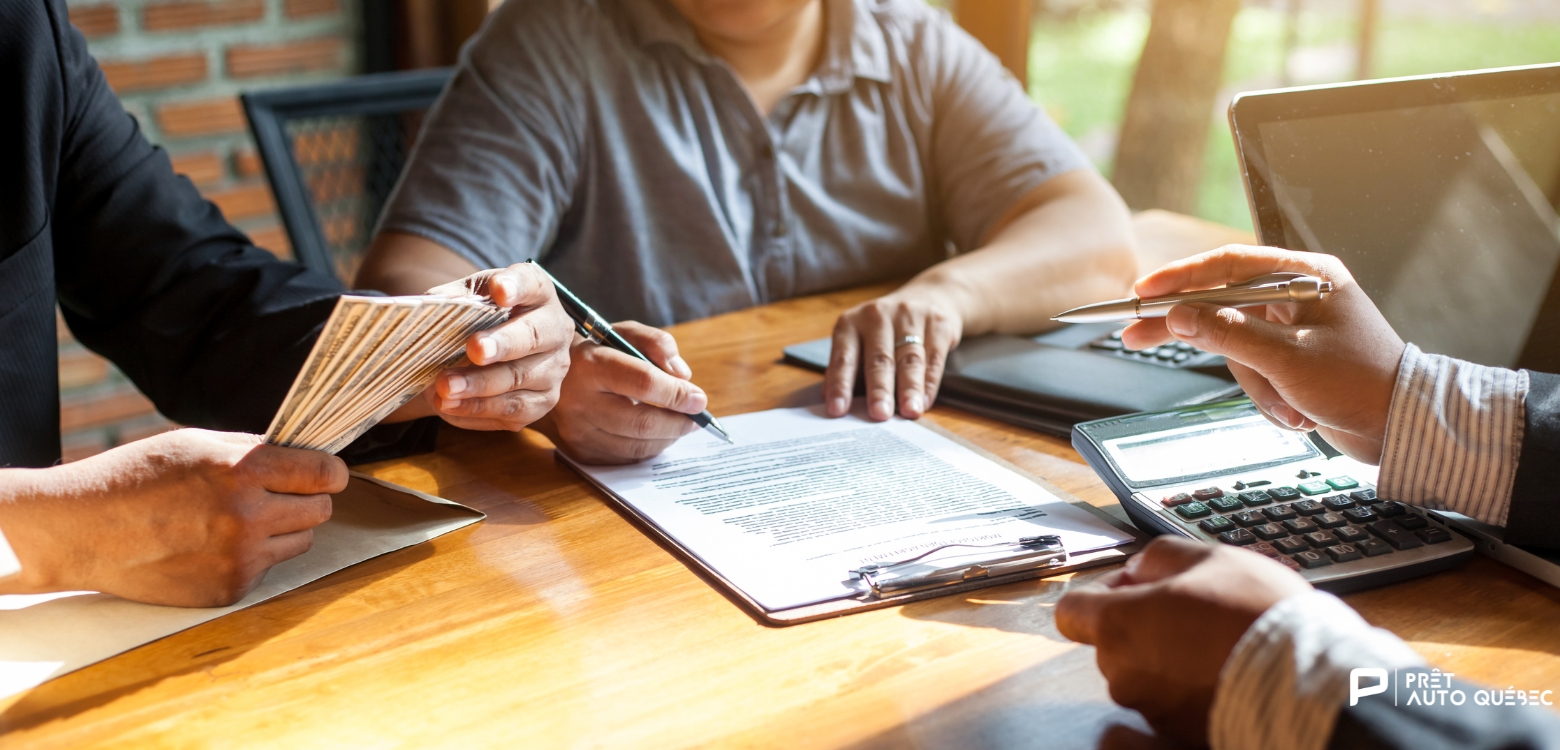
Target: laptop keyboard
{"points": [[1174, 354]]}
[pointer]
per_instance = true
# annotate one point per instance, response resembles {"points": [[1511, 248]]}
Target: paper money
{"points": [[374, 355]]}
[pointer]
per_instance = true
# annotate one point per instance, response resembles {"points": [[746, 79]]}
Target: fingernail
{"points": [[838, 406], [489, 349], [1182, 321], [1287, 415], [696, 401], [506, 285], [449, 404], [456, 384], [882, 409], [915, 403], [679, 368]]}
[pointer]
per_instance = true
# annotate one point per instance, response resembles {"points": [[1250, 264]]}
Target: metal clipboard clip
{"points": [[911, 575]]}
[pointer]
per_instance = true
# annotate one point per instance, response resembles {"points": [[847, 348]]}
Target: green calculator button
{"points": [[1283, 494], [1192, 510], [1217, 524], [1315, 488], [1225, 504], [1343, 483]]}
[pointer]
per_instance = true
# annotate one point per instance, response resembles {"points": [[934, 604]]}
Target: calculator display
{"points": [[1205, 449]]}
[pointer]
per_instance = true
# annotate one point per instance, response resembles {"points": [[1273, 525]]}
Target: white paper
{"points": [[45, 636], [802, 499]]}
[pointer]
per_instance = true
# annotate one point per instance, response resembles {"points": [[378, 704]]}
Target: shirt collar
{"points": [[855, 47]]}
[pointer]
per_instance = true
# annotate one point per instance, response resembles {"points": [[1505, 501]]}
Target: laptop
{"points": [[1440, 194]]}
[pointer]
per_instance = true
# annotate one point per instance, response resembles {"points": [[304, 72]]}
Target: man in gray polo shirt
{"points": [[674, 159]]}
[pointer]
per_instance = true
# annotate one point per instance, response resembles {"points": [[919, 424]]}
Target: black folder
{"points": [[1038, 384]]}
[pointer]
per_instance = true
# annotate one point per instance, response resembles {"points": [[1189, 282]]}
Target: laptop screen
{"points": [[1439, 194]]}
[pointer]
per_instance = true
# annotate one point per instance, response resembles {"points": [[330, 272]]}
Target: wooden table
{"points": [[556, 623]]}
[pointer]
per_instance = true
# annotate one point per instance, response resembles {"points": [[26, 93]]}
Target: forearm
{"points": [[398, 263], [1066, 244]]}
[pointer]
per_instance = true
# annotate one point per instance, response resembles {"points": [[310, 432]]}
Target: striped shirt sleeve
{"points": [[1454, 434], [1288, 676]]}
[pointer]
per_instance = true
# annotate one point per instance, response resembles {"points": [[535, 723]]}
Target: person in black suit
{"points": [[212, 329], [1222, 646]]}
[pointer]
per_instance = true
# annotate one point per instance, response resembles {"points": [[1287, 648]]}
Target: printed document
{"points": [[801, 500]]}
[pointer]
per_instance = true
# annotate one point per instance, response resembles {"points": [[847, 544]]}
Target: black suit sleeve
{"points": [[149, 274], [1534, 518], [1376, 724]]}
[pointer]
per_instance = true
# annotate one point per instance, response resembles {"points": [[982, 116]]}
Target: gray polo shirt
{"points": [[599, 137]]}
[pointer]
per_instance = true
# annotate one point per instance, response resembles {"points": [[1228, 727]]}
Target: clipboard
{"points": [[867, 601]]}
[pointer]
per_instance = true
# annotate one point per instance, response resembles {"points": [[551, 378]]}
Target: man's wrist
{"points": [[27, 498], [9, 565], [945, 289]]}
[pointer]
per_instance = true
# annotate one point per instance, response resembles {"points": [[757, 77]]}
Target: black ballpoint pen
{"points": [[594, 327]]}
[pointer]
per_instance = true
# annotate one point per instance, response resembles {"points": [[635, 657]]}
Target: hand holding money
{"points": [[487, 352], [516, 368]]}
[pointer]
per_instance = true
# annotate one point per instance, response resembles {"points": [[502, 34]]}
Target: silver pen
{"points": [[1272, 289]]}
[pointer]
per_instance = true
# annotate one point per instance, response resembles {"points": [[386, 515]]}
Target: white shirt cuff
{"points": [[1454, 434], [1287, 678], [9, 565]]}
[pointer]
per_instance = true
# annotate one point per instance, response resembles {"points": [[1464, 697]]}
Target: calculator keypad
{"points": [[1317, 523]]}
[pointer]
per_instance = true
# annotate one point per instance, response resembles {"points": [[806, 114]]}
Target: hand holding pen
{"points": [[628, 394], [1329, 365]]}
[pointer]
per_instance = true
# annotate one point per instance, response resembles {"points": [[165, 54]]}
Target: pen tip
{"points": [[719, 431]]}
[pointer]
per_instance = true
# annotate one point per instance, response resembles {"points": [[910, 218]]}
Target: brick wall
{"points": [[179, 65]]}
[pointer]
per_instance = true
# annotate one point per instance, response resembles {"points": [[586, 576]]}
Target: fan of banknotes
{"points": [[375, 354]]}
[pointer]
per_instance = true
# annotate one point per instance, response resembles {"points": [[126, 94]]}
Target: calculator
{"points": [[1222, 474]]}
